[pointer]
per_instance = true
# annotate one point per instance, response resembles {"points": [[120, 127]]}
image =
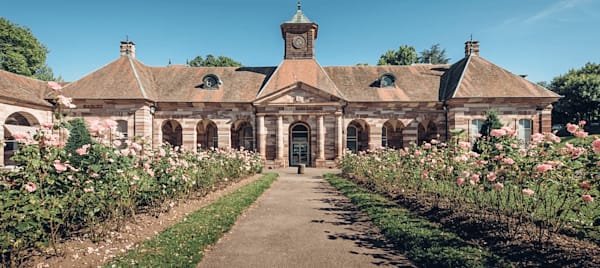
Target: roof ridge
{"points": [[330, 80], [462, 75], [137, 77], [258, 95]]}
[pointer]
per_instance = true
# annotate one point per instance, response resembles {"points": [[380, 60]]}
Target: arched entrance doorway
{"points": [[299, 144], [19, 122]]}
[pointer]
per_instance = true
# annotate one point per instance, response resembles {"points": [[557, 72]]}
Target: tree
{"points": [[434, 55], [405, 55], [20, 51], [581, 91], [491, 122], [45, 73], [212, 61], [78, 136]]}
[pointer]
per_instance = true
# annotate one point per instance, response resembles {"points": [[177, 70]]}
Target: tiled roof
{"points": [[240, 84], [22, 89], [471, 77], [413, 83], [124, 78], [307, 71], [483, 79]]}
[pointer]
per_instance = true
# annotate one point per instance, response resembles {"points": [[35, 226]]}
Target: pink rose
{"points": [[596, 145], [460, 181], [585, 185], [543, 168], [21, 136], [64, 101], [580, 134], [587, 198], [508, 161], [54, 86], [475, 178], [571, 128], [528, 191], [83, 149], [491, 176], [582, 123], [499, 146], [60, 167], [498, 186], [88, 190], [30, 187], [497, 133]]}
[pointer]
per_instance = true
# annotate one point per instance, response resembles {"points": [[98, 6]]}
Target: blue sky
{"points": [[541, 38]]}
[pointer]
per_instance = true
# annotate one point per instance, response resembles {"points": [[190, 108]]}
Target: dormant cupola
{"points": [[299, 34]]}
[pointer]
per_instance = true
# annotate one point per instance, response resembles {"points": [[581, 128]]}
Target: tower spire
{"points": [[299, 6]]}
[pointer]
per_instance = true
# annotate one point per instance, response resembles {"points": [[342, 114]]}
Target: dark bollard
{"points": [[301, 168]]}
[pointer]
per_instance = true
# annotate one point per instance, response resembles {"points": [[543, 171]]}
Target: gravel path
{"points": [[302, 221]]}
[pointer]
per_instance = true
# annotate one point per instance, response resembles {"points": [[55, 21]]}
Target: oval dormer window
{"points": [[387, 80], [211, 81]]}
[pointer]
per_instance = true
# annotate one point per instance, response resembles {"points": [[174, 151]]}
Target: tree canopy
{"points": [[212, 61], [434, 55], [21, 52], [405, 55], [581, 91]]}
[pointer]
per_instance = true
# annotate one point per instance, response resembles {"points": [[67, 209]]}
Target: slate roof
{"points": [[470, 77], [22, 89]]}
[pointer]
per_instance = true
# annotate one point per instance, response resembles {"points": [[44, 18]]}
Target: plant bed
{"points": [[83, 252], [424, 242], [182, 244], [483, 228]]}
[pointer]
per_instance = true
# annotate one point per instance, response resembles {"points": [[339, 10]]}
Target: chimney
{"points": [[471, 48], [128, 48]]}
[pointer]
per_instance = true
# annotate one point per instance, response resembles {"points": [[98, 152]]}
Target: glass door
{"points": [[299, 146]]}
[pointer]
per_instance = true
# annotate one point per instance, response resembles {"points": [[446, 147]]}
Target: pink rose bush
{"points": [[100, 183], [505, 176]]}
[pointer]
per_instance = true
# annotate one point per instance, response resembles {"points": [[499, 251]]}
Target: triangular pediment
{"points": [[298, 94]]}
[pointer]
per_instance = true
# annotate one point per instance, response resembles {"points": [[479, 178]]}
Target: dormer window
{"points": [[211, 81], [387, 81]]}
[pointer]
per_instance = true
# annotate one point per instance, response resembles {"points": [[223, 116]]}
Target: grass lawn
{"points": [[422, 241], [183, 244]]}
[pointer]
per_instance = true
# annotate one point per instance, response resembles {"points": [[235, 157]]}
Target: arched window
{"points": [[384, 139], [476, 125], [211, 81], [525, 130], [387, 80], [352, 138], [172, 133]]}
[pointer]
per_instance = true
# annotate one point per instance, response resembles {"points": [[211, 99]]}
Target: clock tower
{"points": [[299, 34]]}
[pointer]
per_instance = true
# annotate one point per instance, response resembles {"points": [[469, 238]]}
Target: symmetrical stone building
{"points": [[296, 112]]}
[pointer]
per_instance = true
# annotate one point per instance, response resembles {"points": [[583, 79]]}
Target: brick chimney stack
{"points": [[128, 48], [471, 48]]}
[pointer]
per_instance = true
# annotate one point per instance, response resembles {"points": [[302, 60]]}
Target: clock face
{"points": [[298, 42]]}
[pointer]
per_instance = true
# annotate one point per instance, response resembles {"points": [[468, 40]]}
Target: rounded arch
{"points": [[242, 135], [427, 131], [391, 134], [299, 143], [207, 134], [172, 132], [22, 119], [357, 135]]}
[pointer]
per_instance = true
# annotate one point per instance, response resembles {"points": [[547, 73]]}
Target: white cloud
{"points": [[554, 9]]}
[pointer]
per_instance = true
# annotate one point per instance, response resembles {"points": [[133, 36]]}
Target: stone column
{"points": [[224, 134], [339, 137], [262, 137], [374, 136], [188, 134], [142, 125], [1, 147], [280, 137], [321, 140]]}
